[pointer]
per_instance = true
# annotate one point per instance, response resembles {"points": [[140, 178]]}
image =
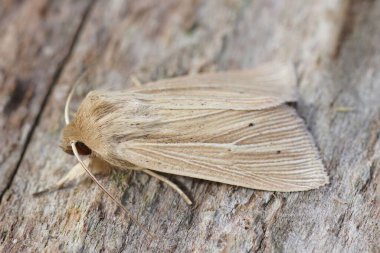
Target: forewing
{"points": [[266, 149], [266, 86]]}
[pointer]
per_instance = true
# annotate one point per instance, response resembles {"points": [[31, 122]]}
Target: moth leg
{"points": [[135, 81], [95, 164], [171, 184], [75, 172]]}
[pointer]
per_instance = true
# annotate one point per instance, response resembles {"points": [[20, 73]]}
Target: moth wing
{"points": [[266, 86], [274, 153]]}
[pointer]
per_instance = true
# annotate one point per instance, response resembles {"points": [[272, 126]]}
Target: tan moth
{"points": [[231, 127]]}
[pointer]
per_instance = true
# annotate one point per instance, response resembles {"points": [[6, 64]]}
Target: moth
{"points": [[235, 128]]}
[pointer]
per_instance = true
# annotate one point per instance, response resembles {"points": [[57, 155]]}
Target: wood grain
{"points": [[334, 45], [36, 41]]}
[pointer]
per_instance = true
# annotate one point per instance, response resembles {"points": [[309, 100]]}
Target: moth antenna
{"points": [[68, 100], [109, 194]]}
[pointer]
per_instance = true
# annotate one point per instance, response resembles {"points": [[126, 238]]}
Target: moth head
{"points": [[81, 147], [70, 135]]}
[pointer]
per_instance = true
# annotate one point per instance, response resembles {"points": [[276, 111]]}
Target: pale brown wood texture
{"points": [[45, 45]]}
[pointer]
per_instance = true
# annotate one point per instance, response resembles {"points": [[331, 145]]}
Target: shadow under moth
{"points": [[230, 127]]}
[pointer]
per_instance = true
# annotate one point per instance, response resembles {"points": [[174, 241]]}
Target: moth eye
{"points": [[82, 148]]}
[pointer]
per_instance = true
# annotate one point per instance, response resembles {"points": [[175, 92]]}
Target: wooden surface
{"points": [[45, 45]]}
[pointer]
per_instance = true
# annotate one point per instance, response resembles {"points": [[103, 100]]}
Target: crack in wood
{"points": [[53, 83], [347, 28], [369, 179], [374, 136], [300, 221], [340, 224]]}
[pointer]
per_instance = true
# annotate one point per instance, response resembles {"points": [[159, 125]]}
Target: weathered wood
{"points": [[36, 40], [335, 47]]}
